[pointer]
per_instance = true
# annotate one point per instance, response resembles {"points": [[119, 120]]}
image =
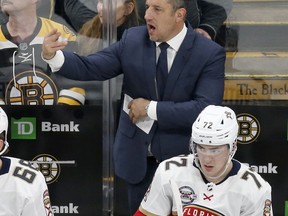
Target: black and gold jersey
{"points": [[24, 77]]}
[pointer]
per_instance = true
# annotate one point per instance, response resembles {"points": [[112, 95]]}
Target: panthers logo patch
{"points": [[29, 89]]}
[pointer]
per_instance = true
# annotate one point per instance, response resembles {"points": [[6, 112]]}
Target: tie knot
{"points": [[163, 46]]}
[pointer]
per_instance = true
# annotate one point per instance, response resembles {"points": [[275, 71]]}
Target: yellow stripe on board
{"points": [[252, 1], [256, 23], [256, 76], [256, 54]]}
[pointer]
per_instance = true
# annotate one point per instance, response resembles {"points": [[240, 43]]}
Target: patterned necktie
{"points": [[162, 69]]}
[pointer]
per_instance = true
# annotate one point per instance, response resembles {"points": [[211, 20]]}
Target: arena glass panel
{"points": [[255, 80]]}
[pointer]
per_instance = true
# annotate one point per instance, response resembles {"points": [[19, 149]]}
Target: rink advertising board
{"points": [[65, 143], [263, 145]]}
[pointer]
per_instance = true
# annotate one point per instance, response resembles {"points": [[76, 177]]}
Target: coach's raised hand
{"points": [[52, 42]]}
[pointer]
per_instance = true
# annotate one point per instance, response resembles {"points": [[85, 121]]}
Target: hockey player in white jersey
{"points": [[208, 182], [23, 190]]}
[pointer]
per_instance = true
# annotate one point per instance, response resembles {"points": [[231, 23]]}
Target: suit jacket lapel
{"points": [[150, 69], [179, 62]]}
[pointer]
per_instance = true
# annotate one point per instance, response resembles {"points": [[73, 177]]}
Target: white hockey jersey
{"points": [[243, 192], [23, 190]]}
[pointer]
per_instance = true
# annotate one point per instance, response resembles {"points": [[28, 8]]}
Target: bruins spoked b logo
{"points": [[47, 164], [249, 128], [31, 90]]}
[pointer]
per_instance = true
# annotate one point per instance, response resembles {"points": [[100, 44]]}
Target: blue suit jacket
{"points": [[195, 80]]}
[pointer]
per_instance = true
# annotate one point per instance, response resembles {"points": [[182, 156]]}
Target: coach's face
{"points": [[163, 21]]}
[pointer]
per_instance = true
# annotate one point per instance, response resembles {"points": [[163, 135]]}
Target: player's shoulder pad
{"points": [[253, 180], [177, 162]]}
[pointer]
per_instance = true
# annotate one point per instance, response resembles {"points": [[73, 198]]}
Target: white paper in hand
{"points": [[146, 124]]}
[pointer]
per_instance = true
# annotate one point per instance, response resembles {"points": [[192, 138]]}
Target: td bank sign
{"points": [[24, 128]]}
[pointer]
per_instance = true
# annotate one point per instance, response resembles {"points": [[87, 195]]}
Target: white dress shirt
{"points": [[172, 50]]}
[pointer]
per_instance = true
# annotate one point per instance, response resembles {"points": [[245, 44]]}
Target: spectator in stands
{"points": [[23, 72], [75, 12], [205, 16], [90, 37]]}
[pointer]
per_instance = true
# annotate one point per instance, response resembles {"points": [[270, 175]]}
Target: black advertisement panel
{"points": [[263, 145], [65, 143]]}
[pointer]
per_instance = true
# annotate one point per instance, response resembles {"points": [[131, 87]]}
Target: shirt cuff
{"points": [[56, 62], [152, 110]]}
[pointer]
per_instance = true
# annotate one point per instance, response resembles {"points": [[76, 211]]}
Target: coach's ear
{"points": [[180, 14]]}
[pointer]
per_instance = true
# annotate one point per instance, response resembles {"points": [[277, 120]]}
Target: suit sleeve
{"points": [[213, 14], [77, 13]]}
